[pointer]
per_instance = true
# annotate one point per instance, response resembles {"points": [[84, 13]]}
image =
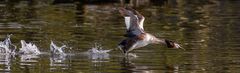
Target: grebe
{"points": [[136, 36]]}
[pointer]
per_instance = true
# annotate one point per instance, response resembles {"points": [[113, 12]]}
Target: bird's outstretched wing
{"points": [[139, 16], [133, 20]]}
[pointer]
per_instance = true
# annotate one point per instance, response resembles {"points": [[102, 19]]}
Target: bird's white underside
{"points": [[143, 42]]}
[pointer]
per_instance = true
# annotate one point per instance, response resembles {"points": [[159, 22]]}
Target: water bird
{"points": [[28, 48], [136, 36]]}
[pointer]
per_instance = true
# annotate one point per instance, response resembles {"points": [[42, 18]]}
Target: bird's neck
{"points": [[155, 40], [159, 41]]}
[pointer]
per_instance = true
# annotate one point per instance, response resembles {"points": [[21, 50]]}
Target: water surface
{"points": [[208, 30]]}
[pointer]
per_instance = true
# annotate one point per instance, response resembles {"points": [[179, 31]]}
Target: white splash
{"points": [[29, 48], [97, 52], [97, 49], [57, 50], [7, 47]]}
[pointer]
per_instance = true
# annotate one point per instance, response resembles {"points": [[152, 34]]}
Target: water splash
{"points": [[97, 49], [132, 55], [6, 46], [58, 62], [58, 56], [29, 48], [7, 50], [29, 53], [96, 52], [57, 50]]}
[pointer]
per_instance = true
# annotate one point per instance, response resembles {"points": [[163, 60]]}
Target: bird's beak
{"points": [[182, 48], [178, 46]]}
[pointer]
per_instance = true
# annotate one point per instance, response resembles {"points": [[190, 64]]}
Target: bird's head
{"points": [[171, 44]]}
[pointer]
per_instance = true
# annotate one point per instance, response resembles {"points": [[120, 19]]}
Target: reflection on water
{"points": [[5, 60], [131, 67], [58, 62], [27, 59], [57, 58], [208, 30], [7, 47]]}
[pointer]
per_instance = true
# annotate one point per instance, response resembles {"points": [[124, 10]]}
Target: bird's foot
{"points": [[131, 55]]}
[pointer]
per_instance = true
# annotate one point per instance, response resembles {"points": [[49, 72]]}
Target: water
{"points": [[207, 30]]}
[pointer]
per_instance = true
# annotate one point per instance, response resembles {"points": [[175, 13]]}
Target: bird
{"points": [[135, 35]]}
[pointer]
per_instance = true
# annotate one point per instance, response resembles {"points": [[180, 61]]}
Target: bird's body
{"points": [[130, 43], [136, 36]]}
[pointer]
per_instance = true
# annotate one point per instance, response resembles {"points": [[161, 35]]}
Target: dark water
{"points": [[208, 30]]}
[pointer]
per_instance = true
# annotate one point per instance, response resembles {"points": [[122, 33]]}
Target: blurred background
{"points": [[207, 29]]}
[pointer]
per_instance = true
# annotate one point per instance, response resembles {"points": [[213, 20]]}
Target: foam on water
{"points": [[28, 48]]}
